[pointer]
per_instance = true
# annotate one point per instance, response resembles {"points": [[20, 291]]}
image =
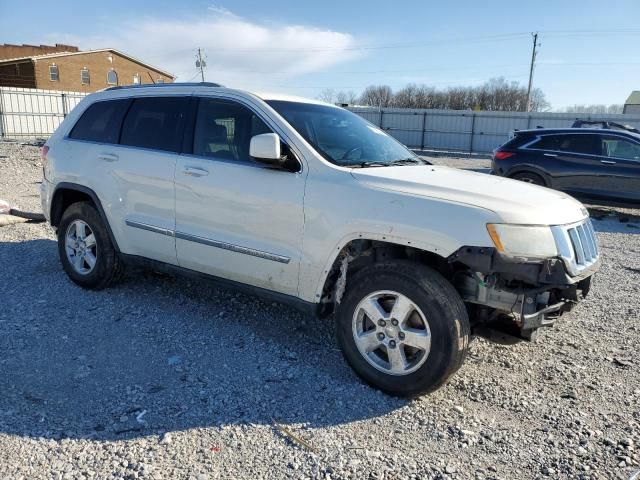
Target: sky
{"points": [[589, 51]]}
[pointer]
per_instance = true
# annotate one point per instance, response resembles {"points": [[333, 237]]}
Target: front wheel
{"points": [[402, 327]]}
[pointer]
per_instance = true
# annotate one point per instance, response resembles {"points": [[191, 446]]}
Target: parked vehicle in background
{"points": [[309, 204], [592, 164]]}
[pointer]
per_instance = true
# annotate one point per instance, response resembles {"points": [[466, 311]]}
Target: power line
{"points": [[449, 41], [499, 37], [449, 82]]}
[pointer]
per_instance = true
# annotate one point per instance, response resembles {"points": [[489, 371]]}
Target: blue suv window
{"points": [[571, 143]]}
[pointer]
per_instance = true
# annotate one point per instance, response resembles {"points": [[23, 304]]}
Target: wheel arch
{"points": [[66, 194], [546, 178], [361, 251]]}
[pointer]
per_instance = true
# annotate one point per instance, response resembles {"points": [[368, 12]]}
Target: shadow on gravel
{"points": [[156, 354], [614, 225]]}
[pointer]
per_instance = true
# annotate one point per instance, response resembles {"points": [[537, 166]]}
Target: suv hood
{"points": [[513, 201]]}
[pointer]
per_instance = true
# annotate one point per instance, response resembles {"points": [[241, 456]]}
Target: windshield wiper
{"points": [[408, 161], [402, 161], [370, 164]]}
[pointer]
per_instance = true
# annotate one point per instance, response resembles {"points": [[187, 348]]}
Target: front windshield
{"points": [[342, 137]]}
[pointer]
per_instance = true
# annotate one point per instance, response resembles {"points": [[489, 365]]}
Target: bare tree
{"points": [[496, 94], [603, 109], [327, 95], [349, 98], [377, 96]]}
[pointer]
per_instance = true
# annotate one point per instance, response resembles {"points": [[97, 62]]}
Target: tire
{"points": [[106, 266], [528, 177], [437, 305]]}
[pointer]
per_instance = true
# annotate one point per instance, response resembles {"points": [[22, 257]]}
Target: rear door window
{"points": [[155, 122], [585, 144], [578, 143], [101, 121]]}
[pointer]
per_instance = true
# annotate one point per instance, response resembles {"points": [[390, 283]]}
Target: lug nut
{"points": [[392, 344], [401, 336], [381, 336], [394, 322], [382, 323]]}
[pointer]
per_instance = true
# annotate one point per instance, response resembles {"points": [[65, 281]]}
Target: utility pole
{"points": [[533, 62], [200, 63]]}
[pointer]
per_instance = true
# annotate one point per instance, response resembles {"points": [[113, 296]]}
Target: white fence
{"points": [[467, 131], [33, 113]]}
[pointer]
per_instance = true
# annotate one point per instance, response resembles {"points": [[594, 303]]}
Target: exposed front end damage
{"points": [[517, 295]]}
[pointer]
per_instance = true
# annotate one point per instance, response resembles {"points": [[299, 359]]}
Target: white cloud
{"points": [[239, 52]]}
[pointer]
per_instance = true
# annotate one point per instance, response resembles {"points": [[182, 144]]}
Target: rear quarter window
{"points": [[517, 141], [101, 121], [547, 142]]}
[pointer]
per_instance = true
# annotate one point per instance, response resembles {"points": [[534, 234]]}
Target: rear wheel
{"points": [[402, 327], [85, 249], [528, 177]]}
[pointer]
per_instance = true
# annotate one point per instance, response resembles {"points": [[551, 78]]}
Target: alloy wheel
{"points": [[80, 246], [391, 332]]}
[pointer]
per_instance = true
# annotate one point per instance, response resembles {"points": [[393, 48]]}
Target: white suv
{"points": [[307, 203]]}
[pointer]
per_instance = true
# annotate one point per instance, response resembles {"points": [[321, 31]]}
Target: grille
{"points": [[577, 245]]}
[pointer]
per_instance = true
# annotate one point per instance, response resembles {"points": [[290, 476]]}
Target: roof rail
{"points": [[176, 84]]}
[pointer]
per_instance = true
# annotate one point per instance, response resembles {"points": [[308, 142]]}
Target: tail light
{"points": [[501, 155], [43, 158]]}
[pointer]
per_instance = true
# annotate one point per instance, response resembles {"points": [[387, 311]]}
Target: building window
{"points": [[160, 80], [85, 79], [112, 77], [54, 75], [136, 79]]}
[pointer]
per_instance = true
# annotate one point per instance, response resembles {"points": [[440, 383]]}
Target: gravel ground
{"points": [[161, 377]]}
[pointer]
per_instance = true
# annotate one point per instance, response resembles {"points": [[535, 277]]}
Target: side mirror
{"points": [[265, 148]]}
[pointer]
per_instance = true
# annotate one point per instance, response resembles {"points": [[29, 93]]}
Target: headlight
{"points": [[523, 240]]}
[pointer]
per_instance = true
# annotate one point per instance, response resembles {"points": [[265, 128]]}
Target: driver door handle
{"points": [[195, 172], [608, 162]]}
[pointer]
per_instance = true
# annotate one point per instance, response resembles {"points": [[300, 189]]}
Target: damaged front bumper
{"points": [[529, 293]]}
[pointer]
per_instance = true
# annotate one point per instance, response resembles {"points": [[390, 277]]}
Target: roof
{"points": [[68, 54], [204, 85], [607, 131], [634, 98]]}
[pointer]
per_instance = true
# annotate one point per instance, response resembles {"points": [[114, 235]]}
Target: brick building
{"points": [[9, 50], [64, 67]]}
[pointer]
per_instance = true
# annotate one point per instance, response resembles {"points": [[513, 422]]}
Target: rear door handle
{"points": [[195, 172], [608, 162], [108, 157], [554, 155]]}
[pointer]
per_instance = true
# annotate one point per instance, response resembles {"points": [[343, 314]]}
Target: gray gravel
{"points": [[163, 377]]}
